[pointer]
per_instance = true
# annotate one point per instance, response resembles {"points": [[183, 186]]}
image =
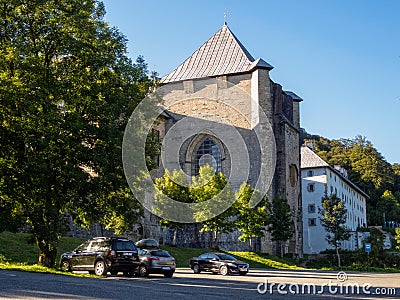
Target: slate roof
{"points": [[222, 54], [293, 95], [311, 160]]}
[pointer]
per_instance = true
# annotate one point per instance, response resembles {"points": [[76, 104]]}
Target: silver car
{"points": [[155, 261]]}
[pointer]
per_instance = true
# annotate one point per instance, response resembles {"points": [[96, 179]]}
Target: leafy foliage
{"points": [[237, 212], [397, 238], [333, 219], [209, 185], [175, 186], [282, 226], [67, 89], [250, 221]]}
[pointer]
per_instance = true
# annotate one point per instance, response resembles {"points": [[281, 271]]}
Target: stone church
{"points": [[223, 109]]}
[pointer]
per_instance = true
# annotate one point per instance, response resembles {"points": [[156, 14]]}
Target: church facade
{"points": [[223, 109]]}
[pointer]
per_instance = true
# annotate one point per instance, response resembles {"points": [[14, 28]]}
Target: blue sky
{"points": [[341, 56]]}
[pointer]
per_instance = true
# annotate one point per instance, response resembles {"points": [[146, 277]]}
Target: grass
{"points": [[18, 252], [261, 260], [255, 260]]}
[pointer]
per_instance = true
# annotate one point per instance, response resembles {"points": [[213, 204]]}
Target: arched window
{"points": [[206, 153]]}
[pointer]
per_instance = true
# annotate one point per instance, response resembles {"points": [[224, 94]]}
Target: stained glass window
{"points": [[207, 153]]}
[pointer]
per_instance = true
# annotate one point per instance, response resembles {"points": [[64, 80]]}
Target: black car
{"points": [[156, 261], [101, 255], [218, 263]]}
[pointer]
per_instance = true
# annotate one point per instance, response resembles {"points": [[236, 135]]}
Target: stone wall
{"points": [[238, 101]]}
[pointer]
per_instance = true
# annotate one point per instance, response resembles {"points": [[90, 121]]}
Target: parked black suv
{"points": [[101, 255]]}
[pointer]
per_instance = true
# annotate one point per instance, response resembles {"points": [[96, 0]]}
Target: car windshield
{"points": [[160, 253], [226, 257], [125, 246]]}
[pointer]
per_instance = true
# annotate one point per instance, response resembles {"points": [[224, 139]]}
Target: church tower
{"points": [[223, 109]]}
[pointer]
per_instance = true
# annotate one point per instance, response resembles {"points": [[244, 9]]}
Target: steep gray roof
{"points": [[311, 160], [222, 54]]}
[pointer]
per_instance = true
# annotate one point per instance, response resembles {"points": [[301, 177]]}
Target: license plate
{"points": [[165, 268], [127, 254]]}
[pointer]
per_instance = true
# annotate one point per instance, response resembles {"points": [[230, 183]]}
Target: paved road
{"points": [[186, 285]]}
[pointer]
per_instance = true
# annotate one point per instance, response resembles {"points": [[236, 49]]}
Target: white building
{"points": [[320, 179]]}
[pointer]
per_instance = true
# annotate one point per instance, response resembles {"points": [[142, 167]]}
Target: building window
{"points": [[310, 173], [311, 208], [312, 222], [311, 187], [207, 153]]}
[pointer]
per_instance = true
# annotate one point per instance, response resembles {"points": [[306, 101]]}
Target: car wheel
{"points": [[100, 268], [224, 270], [65, 265], [196, 269], [168, 274], [242, 273], [143, 271]]}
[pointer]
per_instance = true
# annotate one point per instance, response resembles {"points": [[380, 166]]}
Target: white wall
{"points": [[327, 181]]}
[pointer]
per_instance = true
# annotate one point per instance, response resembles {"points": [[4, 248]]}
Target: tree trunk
{"points": [[196, 237], [251, 243], [47, 254], [281, 243], [338, 257], [174, 240], [216, 239]]}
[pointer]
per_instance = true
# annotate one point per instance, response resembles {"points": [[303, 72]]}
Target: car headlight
{"points": [[232, 265]]}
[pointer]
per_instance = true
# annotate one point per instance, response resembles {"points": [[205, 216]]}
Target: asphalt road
{"points": [[258, 284]]}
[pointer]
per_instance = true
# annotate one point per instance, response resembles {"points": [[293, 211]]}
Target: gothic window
{"points": [[311, 187], [311, 208], [207, 153], [312, 222], [293, 174]]}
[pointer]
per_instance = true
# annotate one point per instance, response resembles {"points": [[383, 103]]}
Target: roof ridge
{"points": [[221, 54]]}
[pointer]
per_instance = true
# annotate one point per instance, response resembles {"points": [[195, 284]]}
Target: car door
{"points": [[90, 255], [202, 261], [212, 262], [78, 259]]}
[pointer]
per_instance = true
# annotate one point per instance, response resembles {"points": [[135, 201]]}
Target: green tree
{"points": [[333, 218], [250, 221], [282, 226], [366, 167], [397, 238], [67, 89], [209, 185], [174, 186], [388, 207]]}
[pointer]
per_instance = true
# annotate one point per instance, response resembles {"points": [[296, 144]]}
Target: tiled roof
{"points": [[311, 160], [222, 54]]}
